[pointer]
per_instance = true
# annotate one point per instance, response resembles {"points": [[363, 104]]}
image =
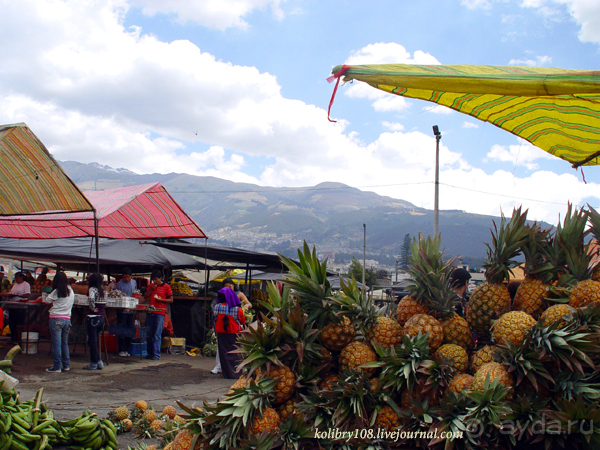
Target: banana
{"points": [[110, 425], [20, 421], [18, 428], [26, 437], [112, 436], [7, 443], [41, 426], [7, 423], [17, 444], [68, 423]]}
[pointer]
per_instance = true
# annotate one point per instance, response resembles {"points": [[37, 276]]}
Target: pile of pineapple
{"points": [[324, 369], [146, 422]]}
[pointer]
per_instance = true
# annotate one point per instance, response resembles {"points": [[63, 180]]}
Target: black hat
{"points": [[459, 277]]}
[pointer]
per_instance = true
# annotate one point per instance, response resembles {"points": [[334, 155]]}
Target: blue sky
{"points": [[238, 90]]}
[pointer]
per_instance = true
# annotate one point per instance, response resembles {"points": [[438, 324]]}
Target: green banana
{"points": [[26, 437], [42, 425], [18, 428], [17, 444], [110, 425], [7, 423], [8, 442], [20, 421]]}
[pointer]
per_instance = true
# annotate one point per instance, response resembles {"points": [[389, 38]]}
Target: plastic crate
{"points": [[111, 343], [138, 349], [123, 330]]}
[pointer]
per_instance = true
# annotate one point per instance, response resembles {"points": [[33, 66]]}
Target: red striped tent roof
{"points": [[146, 211], [31, 181]]}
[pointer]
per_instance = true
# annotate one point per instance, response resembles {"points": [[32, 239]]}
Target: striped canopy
{"points": [[31, 181], [556, 110], [146, 211]]}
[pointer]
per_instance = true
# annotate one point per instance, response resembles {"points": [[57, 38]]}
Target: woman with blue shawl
{"points": [[229, 319]]}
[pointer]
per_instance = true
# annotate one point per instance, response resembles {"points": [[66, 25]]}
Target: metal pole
{"points": [[364, 254], [436, 201]]}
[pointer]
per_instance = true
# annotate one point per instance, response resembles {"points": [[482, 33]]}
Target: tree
{"points": [[405, 252], [355, 270]]}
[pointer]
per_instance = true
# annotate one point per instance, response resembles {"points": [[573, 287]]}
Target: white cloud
{"points": [[219, 14], [585, 12], [477, 4], [537, 61], [523, 154], [470, 125], [393, 126]]}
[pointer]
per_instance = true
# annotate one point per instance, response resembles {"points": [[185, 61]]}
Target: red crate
{"points": [[111, 343]]}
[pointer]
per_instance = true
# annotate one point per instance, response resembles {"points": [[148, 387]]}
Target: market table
{"points": [[28, 305]]}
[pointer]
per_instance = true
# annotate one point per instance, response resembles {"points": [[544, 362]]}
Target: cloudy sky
{"points": [[237, 89]]}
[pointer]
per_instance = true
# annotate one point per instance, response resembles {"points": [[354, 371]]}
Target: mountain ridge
{"points": [[329, 215]]}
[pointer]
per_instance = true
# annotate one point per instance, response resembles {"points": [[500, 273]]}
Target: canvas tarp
{"points": [[80, 254], [31, 181], [145, 211], [557, 110]]}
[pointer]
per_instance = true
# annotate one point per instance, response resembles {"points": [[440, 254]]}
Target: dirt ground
{"points": [[122, 382]]}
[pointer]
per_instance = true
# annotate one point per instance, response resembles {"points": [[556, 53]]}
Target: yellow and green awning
{"points": [[556, 110]]}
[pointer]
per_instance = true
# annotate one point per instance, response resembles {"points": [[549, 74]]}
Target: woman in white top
{"points": [[61, 298]]}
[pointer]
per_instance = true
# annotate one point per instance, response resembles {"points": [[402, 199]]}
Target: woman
{"points": [[94, 321], [61, 298], [229, 320], [20, 290]]}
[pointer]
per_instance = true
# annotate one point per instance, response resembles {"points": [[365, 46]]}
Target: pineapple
{"points": [[457, 331], [386, 332], [491, 299], [335, 336], [387, 418], [169, 411], [241, 382], [126, 424], [454, 355], [185, 439], [460, 382], [539, 270], [268, 421], [289, 409], [326, 383], [286, 380], [178, 420], [556, 312], [512, 327], [356, 354], [150, 415], [157, 425], [119, 414], [423, 323], [141, 405], [408, 307], [493, 370], [584, 293], [486, 354]]}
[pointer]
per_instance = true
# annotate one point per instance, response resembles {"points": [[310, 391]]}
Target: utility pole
{"points": [[364, 254], [436, 204]]}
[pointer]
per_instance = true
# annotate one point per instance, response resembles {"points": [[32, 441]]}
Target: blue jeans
{"points": [[154, 325], [59, 335], [94, 325]]}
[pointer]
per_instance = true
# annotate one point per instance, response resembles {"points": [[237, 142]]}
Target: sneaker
{"points": [[66, 369], [123, 354], [90, 367], [53, 370], [100, 365], [215, 371]]}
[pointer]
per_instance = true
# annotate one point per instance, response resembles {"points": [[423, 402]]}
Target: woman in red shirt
{"points": [[159, 294], [229, 318]]}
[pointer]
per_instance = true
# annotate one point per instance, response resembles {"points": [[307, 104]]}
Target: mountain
{"points": [[328, 215]]}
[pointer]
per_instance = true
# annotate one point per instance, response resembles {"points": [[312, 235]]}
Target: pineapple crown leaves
{"points": [[350, 302], [400, 365], [579, 420], [350, 398], [232, 415], [538, 252], [523, 362], [294, 432], [262, 441], [507, 239], [571, 385], [489, 406], [427, 268], [261, 344], [572, 249], [316, 408], [453, 410], [309, 279], [569, 346], [436, 376]]}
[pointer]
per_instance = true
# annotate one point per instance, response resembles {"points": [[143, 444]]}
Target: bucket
{"points": [[9, 382], [30, 349]]}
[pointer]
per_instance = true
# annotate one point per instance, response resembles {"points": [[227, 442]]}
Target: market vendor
{"points": [[19, 291], [159, 294], [126, 317]]}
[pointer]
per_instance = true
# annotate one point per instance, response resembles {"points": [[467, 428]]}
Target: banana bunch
{"points": [[258, 295], [90, 432], [29, 425], [181, 289]]}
